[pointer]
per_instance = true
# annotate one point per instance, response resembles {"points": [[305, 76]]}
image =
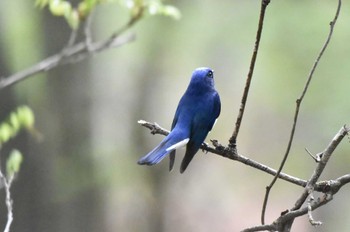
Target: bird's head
{"points": [[202, 78]]}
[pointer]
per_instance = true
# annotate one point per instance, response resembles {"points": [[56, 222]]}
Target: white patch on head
{"points": [[178, 145]]}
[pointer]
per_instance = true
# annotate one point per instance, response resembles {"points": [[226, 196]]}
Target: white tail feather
{"points": [[178, 145]]}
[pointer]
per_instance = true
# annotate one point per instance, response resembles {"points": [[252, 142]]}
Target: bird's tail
{"points": [[174, 140]]}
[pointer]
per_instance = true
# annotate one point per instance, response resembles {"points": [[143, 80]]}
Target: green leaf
{"points": [[41, 3], [154, 8], [25, 116], [14, 121], [73, 19], [84, 9], [171, 11], [157, 8], [6, 132], [21, 118], [135, 7], [90, 3], [60, 8], [14, 162], [132, 3]]}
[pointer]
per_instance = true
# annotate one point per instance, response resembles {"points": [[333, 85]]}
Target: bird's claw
{"points": [[217, 145], [205, 147]]}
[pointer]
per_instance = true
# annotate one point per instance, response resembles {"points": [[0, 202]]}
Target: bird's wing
{"points": [[216, 110], [173, 141], [172, 154], [201, 125], [197, 137]]}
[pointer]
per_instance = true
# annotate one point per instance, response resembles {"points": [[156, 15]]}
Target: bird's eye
{"points": [[210, 74]]}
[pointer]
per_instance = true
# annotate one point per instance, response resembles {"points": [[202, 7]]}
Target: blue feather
{"points": [[169, 144], [195, 116]]}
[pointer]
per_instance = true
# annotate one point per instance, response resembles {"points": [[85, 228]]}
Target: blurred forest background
{"points": [[83, 176]]}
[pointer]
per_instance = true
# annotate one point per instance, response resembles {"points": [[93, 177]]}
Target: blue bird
{"points": [[195, 116]]}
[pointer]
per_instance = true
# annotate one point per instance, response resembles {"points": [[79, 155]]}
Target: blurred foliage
{"points": [[152, 7], [74, 15], [13, 163], [21, 118]]}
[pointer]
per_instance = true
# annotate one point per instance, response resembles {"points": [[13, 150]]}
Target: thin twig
{"points": [[317, 173], [309, 212], [284, 222], [279, 223], [316, 158], [87, 30], [73, 53], [233, 139], [260, 228], [296, 114], [321, 165], [7, 184], [71, 41]]}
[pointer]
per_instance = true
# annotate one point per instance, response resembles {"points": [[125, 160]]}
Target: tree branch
{"points": [[233, 139], [229, 153], [296, 114], [218, 149], [329, 187], [260, 228], [285, 221], [7, 185], [321, 165], [278, 225], [74, 52]]}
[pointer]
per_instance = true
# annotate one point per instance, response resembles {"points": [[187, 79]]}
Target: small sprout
{"points": [[6, 132], [41, 3], [13, 163], [59, 8], [154, 8], [83, 9], [172, 12], [22, 118], [73, 19], [317, 158], [129, 4], [14, 121], [157, 8], [25, 116]]}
